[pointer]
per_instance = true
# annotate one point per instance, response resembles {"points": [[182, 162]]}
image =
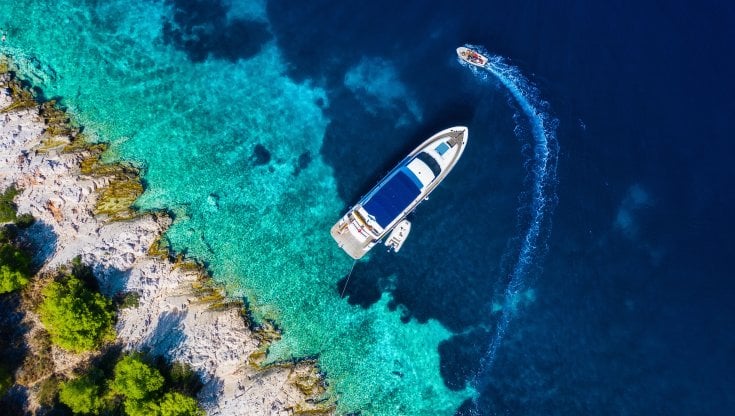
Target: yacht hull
{"points": [[399, 192]]}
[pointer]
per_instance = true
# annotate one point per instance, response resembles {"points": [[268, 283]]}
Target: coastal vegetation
{"points": [[75, 321], [14, 262], [8, 210], [7, 206], [77, 318], [82, 394], [6, 379], [134, 387], [14, 266], [127, 300]]}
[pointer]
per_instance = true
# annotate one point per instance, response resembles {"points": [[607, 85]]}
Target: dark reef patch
{"points": [[302, 163], [363, 292], [261, 155], [202, 29], [460, 357]]}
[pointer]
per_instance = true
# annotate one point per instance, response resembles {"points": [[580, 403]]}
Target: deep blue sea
{"points": [[576, 261]]}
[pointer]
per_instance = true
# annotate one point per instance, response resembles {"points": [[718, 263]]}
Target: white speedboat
{"points": [[471, 56], [398, 194]]}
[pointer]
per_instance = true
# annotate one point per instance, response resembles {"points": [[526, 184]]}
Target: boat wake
{"points": [[541, 150]]}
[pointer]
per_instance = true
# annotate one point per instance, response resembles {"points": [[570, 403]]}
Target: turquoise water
{"points": [[262, 228]]}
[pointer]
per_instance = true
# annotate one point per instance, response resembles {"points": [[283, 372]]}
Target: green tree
{"points": [[24, 220], [135, 379], [11, 280], [171, 404], [7, 233], [14, 265], [182, 378], [82, 395], [146, 407], [77, 318], [7, 207], [177, 404]]}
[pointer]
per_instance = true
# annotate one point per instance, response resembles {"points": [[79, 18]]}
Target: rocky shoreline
{"points": [[82, 210]]}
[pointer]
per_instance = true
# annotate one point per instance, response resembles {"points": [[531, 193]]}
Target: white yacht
{"points": [[386, 206]]}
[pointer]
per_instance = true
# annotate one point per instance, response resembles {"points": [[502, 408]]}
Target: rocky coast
{"points": [[82, 209]]}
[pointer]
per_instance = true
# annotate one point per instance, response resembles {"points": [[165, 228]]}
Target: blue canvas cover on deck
{"points": [[393, 197]]}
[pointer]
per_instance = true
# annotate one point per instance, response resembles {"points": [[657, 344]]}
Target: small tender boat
{"points": [[471, 56], [386, 206], [398, 236]]}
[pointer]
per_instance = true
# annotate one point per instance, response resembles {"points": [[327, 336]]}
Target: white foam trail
{"points": [[542, 178]]}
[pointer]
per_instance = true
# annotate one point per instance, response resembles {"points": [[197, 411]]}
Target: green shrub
{"points": [[7, 233], [14, 265], [24, 220], [129, 300], [171, 404], [7, 206], [77, 318], [82, 395], [6, 379], [176, 404], [47, 391], [135, 379], [84, 273], [136, 389], [183, 379], [11, 280], [146, 407]]}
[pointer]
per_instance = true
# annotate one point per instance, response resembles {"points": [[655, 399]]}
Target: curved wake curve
{"points": [[542, 180]]}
